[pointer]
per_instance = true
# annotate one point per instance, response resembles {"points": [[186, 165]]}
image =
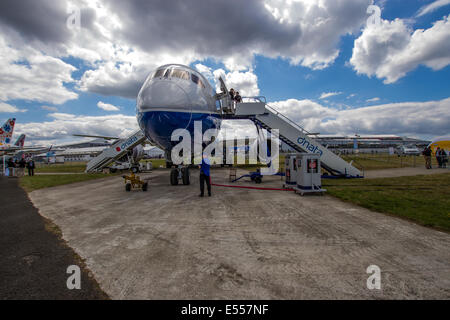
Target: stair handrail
{"points": [[278, 113]]}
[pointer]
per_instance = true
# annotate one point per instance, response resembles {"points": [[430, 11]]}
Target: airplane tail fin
{"points": [[20, 141], [6, 131]]}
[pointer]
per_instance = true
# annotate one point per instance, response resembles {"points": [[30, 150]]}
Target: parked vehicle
{"points": [[407, 151]]}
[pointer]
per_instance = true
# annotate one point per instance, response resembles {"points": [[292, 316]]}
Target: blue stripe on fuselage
{"points": [[158, 126]]}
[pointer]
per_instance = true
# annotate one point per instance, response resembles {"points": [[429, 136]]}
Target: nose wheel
{"points": [[180, 174]]}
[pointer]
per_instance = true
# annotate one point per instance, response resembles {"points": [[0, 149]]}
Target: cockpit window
{"points": [[197, 80], [159, 73], [178, 73], [167, 74]]}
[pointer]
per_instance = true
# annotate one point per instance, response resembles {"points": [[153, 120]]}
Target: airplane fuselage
{"points": [[174, 97]]}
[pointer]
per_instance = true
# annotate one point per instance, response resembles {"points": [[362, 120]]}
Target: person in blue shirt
{"points": [[205, 176]]}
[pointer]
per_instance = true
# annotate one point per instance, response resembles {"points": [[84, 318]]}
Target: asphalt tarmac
{"points": [[168, 243], [33, 258]]}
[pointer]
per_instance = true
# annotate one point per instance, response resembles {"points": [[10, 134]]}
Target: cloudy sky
{"points": [[336, 67]]}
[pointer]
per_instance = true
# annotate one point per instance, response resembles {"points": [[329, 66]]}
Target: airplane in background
{"points": [[20, 141], [6, 132]]}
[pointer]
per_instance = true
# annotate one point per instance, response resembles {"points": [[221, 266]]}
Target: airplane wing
{"points": [[91, 136], [29, 150]]}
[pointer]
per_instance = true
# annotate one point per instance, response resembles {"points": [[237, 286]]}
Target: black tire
{"points": [[186, 176], [174, 177], [258, 180], [145, 187], [128, 187], [112, 170]]}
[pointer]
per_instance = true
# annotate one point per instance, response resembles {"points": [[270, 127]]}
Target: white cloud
{"points": [[392, 49], [116, 43], [7, 108], [373, 99], [432, 7], [26, 73], [246, 83], [54, 109], [406, 118], [329, 94], [206, 71], [62, 126], [107, 106]]}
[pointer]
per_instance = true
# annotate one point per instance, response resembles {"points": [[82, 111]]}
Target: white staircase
{"points": [[115, 152], [293, 135]]}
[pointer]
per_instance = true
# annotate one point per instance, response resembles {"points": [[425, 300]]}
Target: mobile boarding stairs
{"points": [[118, 150], [290, 133]]}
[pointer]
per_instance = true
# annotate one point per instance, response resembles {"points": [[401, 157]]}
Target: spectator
{"points": [[31, 166], [21, 167], [427, 155], [10, 163], [11, 167], [444, 158], [232, 94], [439, 157], [238, 97]]}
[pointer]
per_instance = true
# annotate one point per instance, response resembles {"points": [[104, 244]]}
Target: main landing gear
{"points": [[180, 174]]}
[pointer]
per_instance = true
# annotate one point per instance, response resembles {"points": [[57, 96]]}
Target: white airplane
{"points": [[6, 132], [174, 97]]}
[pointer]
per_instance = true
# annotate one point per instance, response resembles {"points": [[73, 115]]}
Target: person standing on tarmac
{"points": [[439, 157], [427, 155], [205, 176], [31, 166], [444, 158]]}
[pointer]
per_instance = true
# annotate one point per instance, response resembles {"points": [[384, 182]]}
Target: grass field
{"points": [[75, 167], [80, 167], [423, 199], [385, 161], [47, 181], [361, 161]]}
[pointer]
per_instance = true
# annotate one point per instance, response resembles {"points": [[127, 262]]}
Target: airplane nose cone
{"points": [[165, 95]]}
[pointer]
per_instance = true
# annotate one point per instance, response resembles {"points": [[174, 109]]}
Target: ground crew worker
{"points": [[427, 155], [205, 176]]}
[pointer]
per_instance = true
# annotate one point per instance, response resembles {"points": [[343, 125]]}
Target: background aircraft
{"points": [[6, 132]]}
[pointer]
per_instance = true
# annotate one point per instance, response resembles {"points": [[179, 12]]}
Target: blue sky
{"points": [[261, 71]]}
